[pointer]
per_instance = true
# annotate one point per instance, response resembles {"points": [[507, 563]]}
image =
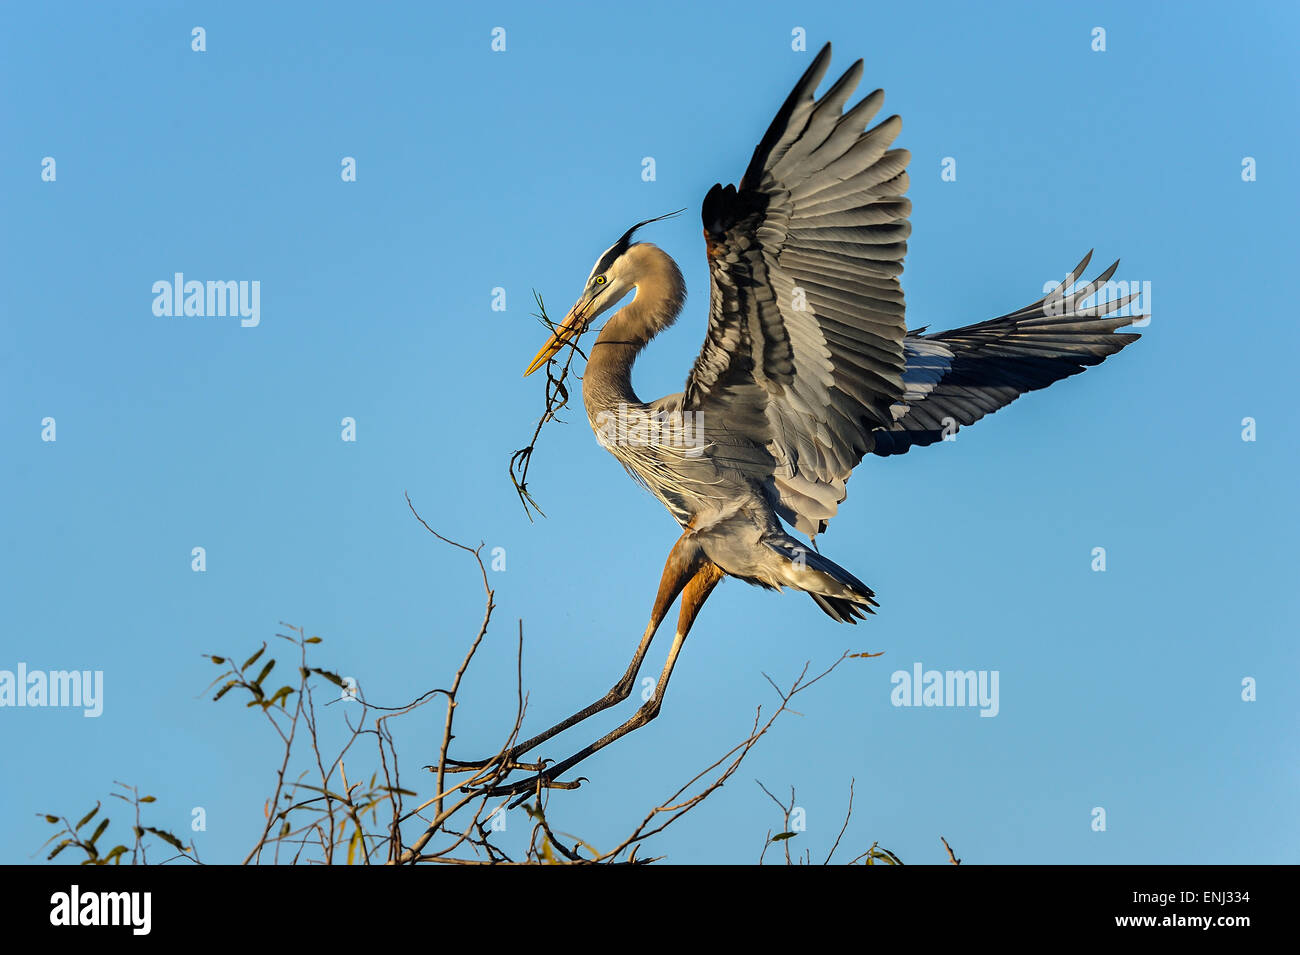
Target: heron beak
{"points": [[574, 324]]}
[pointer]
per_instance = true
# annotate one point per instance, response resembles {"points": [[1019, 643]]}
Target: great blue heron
{"points": [[807, 366]]}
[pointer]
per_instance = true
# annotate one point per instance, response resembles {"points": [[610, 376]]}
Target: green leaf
{"points": [[87, 817], [323, 792], [225, 689], [99, 830], [253, 659], [270, 664], [148, 799], [312, 640], [59, 848], [332, 677], [784, 835], [115, 854], [217, 660], [49, 818], [285, 692], [167, 837]]}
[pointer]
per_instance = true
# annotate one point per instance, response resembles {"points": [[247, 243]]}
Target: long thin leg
{"points": [[683, 561], [697, 591]]}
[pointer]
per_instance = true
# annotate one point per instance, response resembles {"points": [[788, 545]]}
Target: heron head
{"points": [[612, 277]]}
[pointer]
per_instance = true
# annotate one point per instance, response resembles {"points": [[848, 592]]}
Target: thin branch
{"points": [[847, 815], [951, 858]]}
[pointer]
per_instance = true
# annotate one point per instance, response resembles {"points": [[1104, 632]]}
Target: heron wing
{"points": [[954, 378], [804, 353]]}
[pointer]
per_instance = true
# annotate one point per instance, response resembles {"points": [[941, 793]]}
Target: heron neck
{"points": [[607, 382], [660, 294]]}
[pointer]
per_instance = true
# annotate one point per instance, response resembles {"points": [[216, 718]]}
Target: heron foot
{"points": [[505, 764], [526, 788]]}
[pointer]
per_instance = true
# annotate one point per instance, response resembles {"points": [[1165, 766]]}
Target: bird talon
{"points": [[526, 788], [543, 781], [458, 766]]}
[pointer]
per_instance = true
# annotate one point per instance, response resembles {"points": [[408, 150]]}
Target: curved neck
{"points": [[660, 295]]}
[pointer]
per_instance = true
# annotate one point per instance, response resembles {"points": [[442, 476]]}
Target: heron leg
{"points": [[696, 591], [683, 562]]}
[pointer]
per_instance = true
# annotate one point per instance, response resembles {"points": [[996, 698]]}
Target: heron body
{"points": [[807, 364], [708, 472]]}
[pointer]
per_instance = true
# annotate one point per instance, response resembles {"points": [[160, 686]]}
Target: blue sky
{"points": [[477, 170]]}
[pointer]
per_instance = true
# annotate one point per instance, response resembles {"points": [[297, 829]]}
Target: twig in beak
{"points": [[557, 397]]}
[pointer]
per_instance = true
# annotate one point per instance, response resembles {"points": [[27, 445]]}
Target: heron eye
{"points": [[600, 280]]}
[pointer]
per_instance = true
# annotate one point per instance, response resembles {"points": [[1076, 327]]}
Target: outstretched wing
{"points": [[804, 354], [955, 378]]}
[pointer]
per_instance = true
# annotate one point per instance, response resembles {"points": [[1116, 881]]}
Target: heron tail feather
{"points": [[841, 595]]}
